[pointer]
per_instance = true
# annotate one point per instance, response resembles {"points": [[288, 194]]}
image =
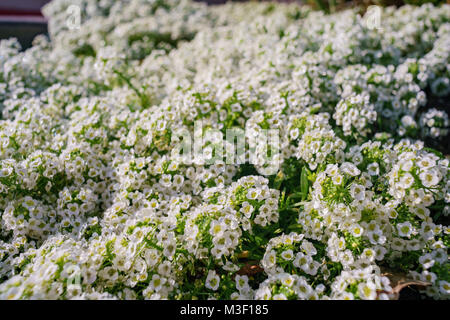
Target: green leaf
{"points": [[304, 184], [278, 180]]}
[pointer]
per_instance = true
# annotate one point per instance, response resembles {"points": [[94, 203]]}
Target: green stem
{"points": [[127, 80]]}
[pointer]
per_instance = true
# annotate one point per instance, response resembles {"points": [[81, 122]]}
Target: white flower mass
{"points": [[93, 204]]}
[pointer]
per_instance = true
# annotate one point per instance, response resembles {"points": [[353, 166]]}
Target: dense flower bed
{"points": [[94, 203]]}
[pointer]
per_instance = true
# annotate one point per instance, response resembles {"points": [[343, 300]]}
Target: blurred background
{"points": [[23, 19]]}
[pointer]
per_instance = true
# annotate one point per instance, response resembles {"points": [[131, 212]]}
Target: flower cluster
{"points": [[356, 115], [100, 199], [434, 123]]}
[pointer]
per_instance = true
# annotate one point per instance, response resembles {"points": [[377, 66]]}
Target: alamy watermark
{"points": [[373, 17], [73, 284], [205, 146], [74, 17]]}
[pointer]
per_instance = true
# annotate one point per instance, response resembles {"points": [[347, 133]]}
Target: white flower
{"points": [[287, 255], [427, 260], [217, 229], [247, 209], [287, 280], [406, 181], [157, 282], [302, 260], [367, 290], [337, 179], [357, 191], [405, 229], [242, 282], [428, 276], [373, 169], [444, 287], [270, 259], [429, 178], [356, 230], [212, 280], [252, 193], [308, 248], [279, 296]]}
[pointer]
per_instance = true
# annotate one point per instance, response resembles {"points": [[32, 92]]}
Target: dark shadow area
{"points": [[23, 31]]}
